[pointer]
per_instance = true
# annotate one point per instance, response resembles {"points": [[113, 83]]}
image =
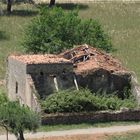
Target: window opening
{"points": [[16, 87], [41, 73]]}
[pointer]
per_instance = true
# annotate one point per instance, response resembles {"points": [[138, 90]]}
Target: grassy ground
{"points": [[127, 136], [120, 20], [12, 30], [84, 125]]}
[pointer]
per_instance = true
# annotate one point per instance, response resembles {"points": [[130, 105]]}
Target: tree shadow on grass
{"points": [[23, 13], [3, 36], [67, 6], [72, 6]]}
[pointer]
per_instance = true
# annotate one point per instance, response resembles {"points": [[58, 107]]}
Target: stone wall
{"points": [[19, 84], [57, 68], [77, 118], [48, 78], [103, 80], [45, 84], [16, 80]]}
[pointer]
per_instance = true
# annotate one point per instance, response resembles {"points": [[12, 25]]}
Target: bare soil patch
{"points": [[75, 137]]}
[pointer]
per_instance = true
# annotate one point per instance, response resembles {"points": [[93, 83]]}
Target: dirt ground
{"points": [[76, 137]]}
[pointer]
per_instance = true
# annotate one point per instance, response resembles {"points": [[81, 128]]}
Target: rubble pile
{"points": [[87, 59]]}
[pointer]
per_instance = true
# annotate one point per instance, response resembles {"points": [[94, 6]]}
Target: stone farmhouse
{"points": [[30, 77]]}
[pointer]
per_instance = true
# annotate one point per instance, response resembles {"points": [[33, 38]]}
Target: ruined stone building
{"points": [[30, 77]]}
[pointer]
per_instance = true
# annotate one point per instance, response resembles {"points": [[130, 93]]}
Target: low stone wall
{"points": [[76, 118]]}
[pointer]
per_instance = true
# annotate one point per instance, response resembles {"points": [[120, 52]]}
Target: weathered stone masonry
{"points": [[30, 77], [27, 80]]}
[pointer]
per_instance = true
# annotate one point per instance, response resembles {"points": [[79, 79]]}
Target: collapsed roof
{"points": [[87, 59]]}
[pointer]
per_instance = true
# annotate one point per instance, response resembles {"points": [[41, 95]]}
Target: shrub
{"points": [[84, 100], [55, 30]]}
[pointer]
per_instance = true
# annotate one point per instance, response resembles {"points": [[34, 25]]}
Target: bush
{"points": [[84, 100], [55, 30]]}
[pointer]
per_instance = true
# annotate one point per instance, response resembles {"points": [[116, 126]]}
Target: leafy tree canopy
{"points": [[17, 118], [55, 30]]}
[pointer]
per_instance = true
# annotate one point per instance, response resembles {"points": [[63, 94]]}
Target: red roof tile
{"points": [[39, 59]]}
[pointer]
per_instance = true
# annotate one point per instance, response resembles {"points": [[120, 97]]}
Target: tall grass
{"points": [[120, 19], [13, 28]]}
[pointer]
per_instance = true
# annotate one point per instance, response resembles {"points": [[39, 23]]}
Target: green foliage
{"points": [[55, 30], [84, 100], [3, 36], [3, 98], [116, 19], [17, 118]]}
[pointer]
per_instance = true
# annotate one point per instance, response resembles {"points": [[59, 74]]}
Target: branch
{"points": [[2, 123]]}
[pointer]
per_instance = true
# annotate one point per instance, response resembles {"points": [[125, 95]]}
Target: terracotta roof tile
{"points": [[87, 59], [39, 59]]}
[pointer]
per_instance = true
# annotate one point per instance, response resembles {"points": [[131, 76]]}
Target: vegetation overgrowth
{"points": [[84, 101]]}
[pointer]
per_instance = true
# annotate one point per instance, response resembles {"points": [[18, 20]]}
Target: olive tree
{"points": [[16, 118]]}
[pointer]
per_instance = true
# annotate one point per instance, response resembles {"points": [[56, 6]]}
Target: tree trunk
{"points": [[6, 133], [52, 3], [21, 136], [9, 6]]}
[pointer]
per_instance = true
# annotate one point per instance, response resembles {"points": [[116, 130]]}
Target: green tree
{"points": [[17, 118], [55, 30]]}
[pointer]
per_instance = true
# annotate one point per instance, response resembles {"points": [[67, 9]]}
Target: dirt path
{"points": [[89, 131]]}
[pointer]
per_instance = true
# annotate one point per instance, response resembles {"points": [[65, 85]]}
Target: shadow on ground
{"points": [[71, 6], [68, 6], [3, 36], [22, 13], [27, 12]]}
